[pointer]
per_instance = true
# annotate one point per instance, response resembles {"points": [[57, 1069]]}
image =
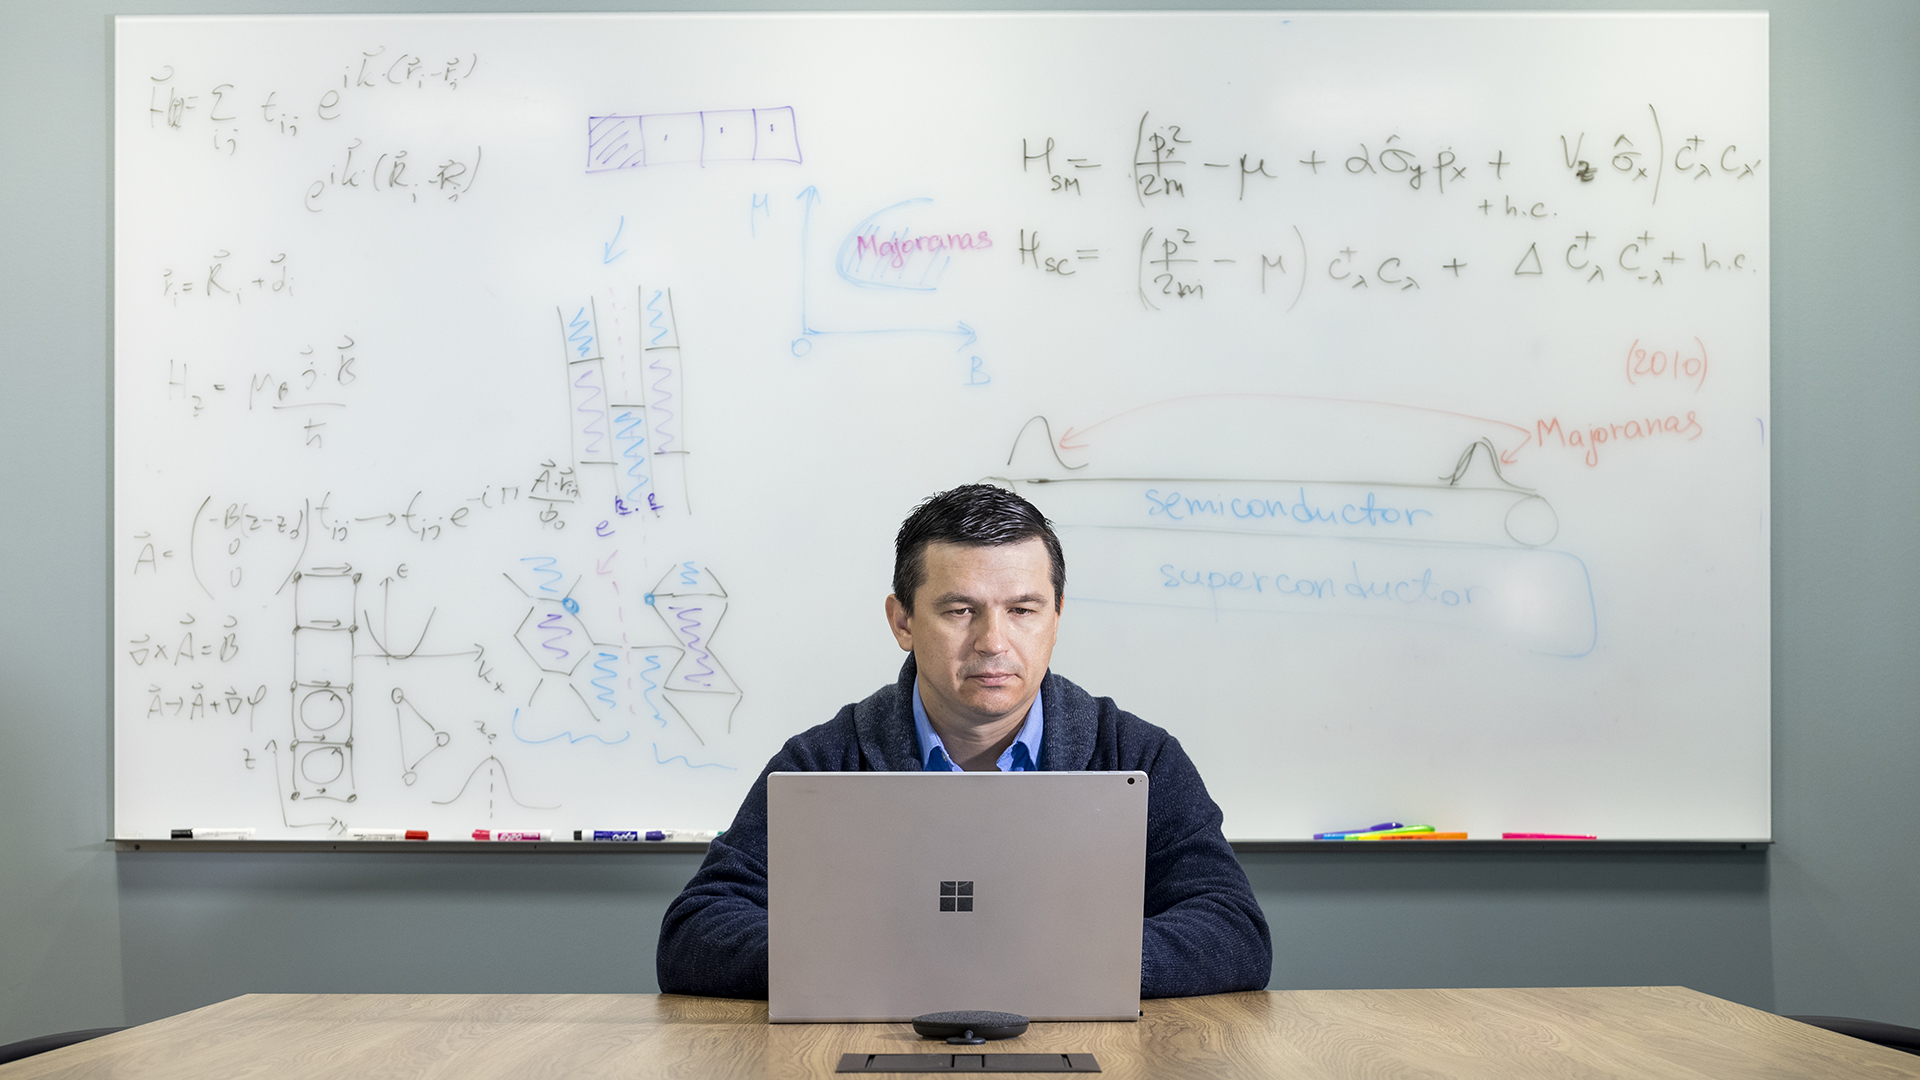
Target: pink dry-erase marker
{"points": [[525, 834], [1544, 836]]}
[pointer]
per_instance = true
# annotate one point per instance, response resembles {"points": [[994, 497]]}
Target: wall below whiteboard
{"points": [[1690, 920]]}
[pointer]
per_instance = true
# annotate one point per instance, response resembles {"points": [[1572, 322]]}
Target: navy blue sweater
{"points": [[1204, 931]]}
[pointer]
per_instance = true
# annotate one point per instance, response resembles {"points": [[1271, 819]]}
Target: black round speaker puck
{"points": [[970, 1025]]}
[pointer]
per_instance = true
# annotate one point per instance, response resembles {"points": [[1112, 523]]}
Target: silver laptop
{"points": [[892, 894]]}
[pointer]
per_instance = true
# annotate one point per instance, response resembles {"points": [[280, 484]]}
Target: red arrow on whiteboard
{"points": [[1507, 457]]}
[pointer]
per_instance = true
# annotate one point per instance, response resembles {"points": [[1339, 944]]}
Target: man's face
{"points": [[982, 629]]}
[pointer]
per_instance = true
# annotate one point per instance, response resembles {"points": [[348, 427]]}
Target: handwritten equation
{"points": [[1468, 192]]}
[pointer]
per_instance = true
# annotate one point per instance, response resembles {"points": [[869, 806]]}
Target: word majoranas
{"points": [[896, 250], [1590, 439]]}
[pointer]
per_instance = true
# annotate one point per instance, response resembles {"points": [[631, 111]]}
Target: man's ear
{"points": [[900, 621]]}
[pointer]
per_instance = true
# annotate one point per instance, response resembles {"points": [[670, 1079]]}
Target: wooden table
{"points": [[1644, 1033]]}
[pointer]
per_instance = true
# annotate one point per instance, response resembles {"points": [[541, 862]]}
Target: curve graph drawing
{"points": [[495, 787]]}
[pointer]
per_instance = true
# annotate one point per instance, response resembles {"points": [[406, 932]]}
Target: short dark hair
{"points": [[972, 515]]}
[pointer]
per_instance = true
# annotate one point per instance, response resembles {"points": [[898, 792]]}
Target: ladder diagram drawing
{"points": [[320, 752]]}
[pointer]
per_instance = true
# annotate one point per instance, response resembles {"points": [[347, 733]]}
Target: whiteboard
{"points": [[513, 413]]}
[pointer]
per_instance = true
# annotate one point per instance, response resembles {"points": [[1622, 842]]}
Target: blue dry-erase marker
{"points": [[1342, 835]]}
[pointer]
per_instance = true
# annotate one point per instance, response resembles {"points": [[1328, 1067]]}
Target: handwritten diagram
{"points": [[324, 630], [883, 251], [1269, 526], [513, 415], [693, 138]]}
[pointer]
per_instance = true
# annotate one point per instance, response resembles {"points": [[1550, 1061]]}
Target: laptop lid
{"points": [[892, 894]]}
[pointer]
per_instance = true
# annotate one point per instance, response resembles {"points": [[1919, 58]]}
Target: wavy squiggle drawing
{"points": [[689, 763], [691, 603], [664, 337], [593, 436], [580, 334], [630, 439], [603, 682]]}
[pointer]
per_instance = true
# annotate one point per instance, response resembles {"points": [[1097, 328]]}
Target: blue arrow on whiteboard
{"points": [[607, 254], [803, 344]]}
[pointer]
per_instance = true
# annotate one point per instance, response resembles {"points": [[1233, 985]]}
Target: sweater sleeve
{"points": [[1204, 931], [713, 940]]}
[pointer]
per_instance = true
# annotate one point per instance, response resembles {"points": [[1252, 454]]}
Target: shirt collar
{"points": [[1023, 755]]}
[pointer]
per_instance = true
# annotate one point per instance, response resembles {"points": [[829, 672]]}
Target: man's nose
{"points": [[991, 634]]}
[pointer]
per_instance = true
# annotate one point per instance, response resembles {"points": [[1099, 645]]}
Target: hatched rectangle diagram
{"points": [[703, 138]]}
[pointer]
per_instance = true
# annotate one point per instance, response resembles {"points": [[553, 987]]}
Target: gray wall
{"points": [[1821, 924]]}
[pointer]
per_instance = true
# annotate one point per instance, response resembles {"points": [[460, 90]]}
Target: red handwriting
{"points": [[1681, 364], [1590, 439], [1507, 453]]}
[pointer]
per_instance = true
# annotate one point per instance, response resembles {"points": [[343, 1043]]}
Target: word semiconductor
{"points": [[1178, 507]]}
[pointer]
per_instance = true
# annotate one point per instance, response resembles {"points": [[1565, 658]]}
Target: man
{"points": [[977, 594]]}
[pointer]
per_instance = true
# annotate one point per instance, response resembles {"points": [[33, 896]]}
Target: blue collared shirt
{"points": [[1022, 756]]}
